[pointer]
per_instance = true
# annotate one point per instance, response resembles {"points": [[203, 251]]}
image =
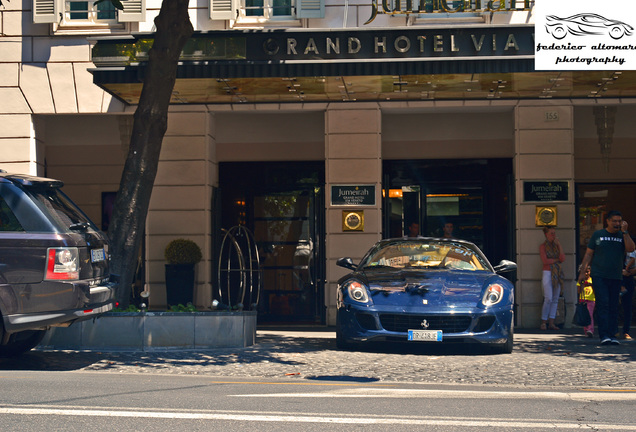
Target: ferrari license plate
{"points": [[425, 335]]}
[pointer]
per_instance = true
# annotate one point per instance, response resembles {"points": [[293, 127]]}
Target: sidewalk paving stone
{"points": [[557, 359]]}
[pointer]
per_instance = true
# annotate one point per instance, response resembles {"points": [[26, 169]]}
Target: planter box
{"points": [[147, 331], [179, 284]]}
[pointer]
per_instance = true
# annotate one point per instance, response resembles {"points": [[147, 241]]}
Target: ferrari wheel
{"points": [[341, 343], [506, 347]]}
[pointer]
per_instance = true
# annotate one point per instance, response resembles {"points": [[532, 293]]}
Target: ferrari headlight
{"points": [[357, 291], [493, 295]]}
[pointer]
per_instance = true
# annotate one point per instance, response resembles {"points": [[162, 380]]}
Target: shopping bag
{"points": [[581, 315]]}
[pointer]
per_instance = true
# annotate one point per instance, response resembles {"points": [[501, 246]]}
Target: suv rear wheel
{"points": [[20, 342]]}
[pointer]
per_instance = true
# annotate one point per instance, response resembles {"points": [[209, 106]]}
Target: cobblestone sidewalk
{"points": [[539, 359]]}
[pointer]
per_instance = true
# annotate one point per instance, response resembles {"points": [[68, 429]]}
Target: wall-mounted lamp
{"points": [[605, 117]]}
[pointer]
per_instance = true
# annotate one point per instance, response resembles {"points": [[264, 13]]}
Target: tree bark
{"points": [[130, 210]]}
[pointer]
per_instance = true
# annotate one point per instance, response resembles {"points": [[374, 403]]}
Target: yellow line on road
{"points": [[610, 390], [306, 384]]}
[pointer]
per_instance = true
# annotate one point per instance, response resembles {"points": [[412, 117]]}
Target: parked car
{"points": [[53, 262], [586, 24], [427, 290]]}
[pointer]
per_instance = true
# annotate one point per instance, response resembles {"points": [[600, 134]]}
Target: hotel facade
{"points": [[323, 126]]}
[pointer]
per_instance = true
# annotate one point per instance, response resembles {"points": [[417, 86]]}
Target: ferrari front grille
{"points": [[445, 323]]}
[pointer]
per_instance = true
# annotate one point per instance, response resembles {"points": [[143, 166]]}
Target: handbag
{"points": [[581, 314]]}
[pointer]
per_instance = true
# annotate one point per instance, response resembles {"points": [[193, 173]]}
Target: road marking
{"points": [[318, 418], [347, 384], [610, 390], [454, 394]]}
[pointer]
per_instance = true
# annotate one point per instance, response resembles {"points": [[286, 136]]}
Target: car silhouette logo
{"points": [[586, 24]]}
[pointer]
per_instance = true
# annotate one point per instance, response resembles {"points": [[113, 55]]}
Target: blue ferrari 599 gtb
{"points": [[425, 290]]}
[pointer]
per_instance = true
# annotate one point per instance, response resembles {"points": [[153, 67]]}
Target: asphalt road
{"points": [[293, 380], [70, 401]]}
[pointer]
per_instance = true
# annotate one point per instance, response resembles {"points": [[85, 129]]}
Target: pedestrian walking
{"points": [[551, 256], [586, 293], [627, 294], [605, 255]]}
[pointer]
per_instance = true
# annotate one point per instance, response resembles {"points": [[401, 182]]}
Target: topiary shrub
{"points": [[183, 251]]}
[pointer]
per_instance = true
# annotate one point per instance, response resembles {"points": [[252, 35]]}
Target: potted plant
{"points": [[182, 255]]}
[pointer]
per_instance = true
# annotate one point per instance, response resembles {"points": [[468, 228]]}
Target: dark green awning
{"points": [[410, 63]]}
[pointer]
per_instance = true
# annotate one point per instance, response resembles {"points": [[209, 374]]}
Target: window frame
{"points": [[55, 12], [234, 11], [268, 12], [92, 12], [91, 22]]}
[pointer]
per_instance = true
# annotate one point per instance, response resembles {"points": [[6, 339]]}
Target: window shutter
{"points": [[310, 8], [223, 9], [134, 11], [46, 11]]}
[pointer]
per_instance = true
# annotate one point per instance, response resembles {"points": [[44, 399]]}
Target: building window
{"points": [[595, 201], [269, 9], [87, 12], [74, 16]]}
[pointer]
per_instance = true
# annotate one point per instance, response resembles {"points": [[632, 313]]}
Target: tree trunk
{"points": [[150, 123]]}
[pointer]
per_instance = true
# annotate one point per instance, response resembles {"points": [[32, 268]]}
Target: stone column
{"points": [[353, 157], [181, 198], [544, 151], [20, 151]]}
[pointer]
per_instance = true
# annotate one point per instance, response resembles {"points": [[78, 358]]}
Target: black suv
{"points": [[53, 262]]}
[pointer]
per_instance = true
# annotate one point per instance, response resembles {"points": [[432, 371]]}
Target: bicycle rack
{"points": [[239, 277]]}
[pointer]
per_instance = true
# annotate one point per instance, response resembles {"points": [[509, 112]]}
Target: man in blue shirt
{"points": [[606, 253]]}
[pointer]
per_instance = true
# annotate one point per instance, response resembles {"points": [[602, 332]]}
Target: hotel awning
{"points": [[301, 65]]}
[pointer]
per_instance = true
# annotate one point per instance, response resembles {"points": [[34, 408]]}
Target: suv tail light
{"points": [[62, 263]]}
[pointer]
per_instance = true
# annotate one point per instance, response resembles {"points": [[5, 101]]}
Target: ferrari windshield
{"points": [[426, 254]]}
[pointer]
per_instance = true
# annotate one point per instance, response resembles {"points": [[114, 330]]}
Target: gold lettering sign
{"points": [[407, 7], [401, 44]]}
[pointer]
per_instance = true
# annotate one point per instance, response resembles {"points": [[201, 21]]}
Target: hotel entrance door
{"points": [[283, 205], [471, 197], [440, 210], [285, 229]]}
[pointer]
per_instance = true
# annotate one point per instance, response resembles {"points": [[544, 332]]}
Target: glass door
{"points": [[465, 199], [455, 212], [285, 232], [436, 211], [594, 201], [405, 211], [282, 204]]}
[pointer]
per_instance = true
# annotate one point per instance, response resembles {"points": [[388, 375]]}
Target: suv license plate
{"points": [[425, 335], [97, 255]]}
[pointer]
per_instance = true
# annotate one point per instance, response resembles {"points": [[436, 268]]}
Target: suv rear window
{"points": [[39, 208], [8, 221], [61, 210]]}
